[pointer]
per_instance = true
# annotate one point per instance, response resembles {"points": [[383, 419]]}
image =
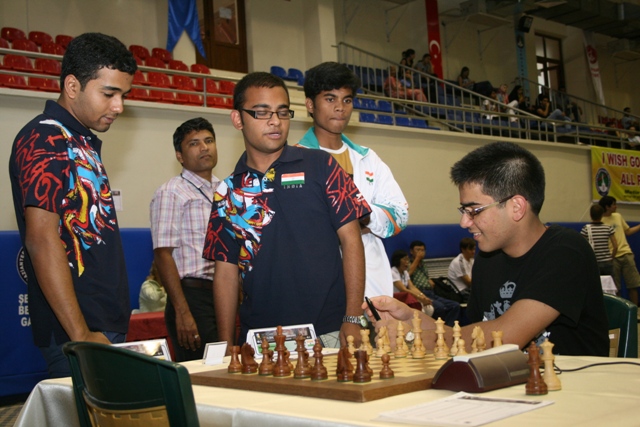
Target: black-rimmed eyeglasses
{"points": [[266, 115], [472, 213]]}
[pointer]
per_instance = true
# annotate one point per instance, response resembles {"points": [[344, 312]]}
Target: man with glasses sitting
{"points": [[530, 281], [280, 221]]}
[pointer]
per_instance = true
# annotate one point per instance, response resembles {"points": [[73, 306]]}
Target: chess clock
{"points": [[357, 320]]}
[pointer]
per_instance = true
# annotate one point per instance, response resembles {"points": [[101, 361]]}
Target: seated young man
{"points": [[461, 267], [530, 281]]}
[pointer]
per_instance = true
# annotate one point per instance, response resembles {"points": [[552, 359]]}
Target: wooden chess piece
{"points": [[497, 338], [235, 366], [350, 344], [418, 351], [386, 372], [266, 366], [443, 348], [535, 383], [318, 371], [362, 373], [281, 368], [367, 339], [380, 347], [457, 333], [462, 350], [345, 368], [249, 364], [400, 348], [301, 370], [385, 336], [550, 378], [478, 344]]}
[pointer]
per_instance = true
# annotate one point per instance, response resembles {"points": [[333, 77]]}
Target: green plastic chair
{"points": [[118, 387], [623, 314]]}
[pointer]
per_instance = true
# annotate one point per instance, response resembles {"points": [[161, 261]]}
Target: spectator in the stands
{"points": [[569, 107], [508, 103], [627, 121], [402, 280], [463, 79], [407, 58], [394, 88], [428, 84], [490, 106], [543, 109], [460, 268], [425, 65], [153, 296]]}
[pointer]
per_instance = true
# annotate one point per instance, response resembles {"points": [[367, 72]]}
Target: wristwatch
{"points": [[357, 320]]}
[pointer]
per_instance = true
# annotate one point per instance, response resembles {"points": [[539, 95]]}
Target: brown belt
{"points": [[192, 282]]}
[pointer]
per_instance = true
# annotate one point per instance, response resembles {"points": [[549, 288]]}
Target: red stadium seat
{"points": [[12, 34], [40, 37], [160, 80], [139, 94], [18, 63], [154, 62], [24, 44], [139, 78], [164, 54], [4, 44], [139, 51], [219, 102], [175, 64], [200, 68], [63, 40], [185, 83], [44, 84], [15, 82], [226, 87], [48, 66], [52, 48]]}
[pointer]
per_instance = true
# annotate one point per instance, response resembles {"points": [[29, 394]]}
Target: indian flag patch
{"points": [[288, 179]]}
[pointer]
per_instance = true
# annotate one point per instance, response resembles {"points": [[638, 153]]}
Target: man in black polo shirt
{"points": [[77, 280], [279, 221]]}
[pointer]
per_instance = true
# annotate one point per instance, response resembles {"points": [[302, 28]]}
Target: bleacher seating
{"points": [[163, 54], [40, 37], [18, 63], [140, 51], [11, 34], [52, 48], [152, 61], [63, 40], [24, 44]]}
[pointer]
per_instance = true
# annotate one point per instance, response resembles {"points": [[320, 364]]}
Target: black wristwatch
{"points": [[357, 320]]}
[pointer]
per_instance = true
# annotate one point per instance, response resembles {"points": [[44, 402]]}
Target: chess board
{"points": [[410, 375]]}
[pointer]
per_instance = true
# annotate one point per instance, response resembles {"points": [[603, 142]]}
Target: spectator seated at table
{"points": [[403, 283]]}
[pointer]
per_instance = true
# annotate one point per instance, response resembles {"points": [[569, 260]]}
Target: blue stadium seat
{"points": [[403, 121], [384, 106], [295, 74], [383, 119], [278, 71], [418, 123], [367, 117]]}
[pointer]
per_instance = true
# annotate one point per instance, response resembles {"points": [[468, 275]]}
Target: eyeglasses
{"points": [[476, 211], [266, 115]]}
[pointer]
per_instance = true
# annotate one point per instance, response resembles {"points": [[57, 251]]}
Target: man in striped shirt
{"points": [[598, 235]]}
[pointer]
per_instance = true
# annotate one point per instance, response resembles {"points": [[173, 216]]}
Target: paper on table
{"points": [[462, 409]]}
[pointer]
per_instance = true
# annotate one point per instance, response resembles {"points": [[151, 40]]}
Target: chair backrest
{"points": [[24, 44], [278, 71], [115, 382], [160, 53], [152, 61], [52, 48], [176, 64], [11, 34], [139, 51], [63, 40], [40, 37], [623, 315]]}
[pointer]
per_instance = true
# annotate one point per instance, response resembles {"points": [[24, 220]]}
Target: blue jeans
{"points": [[444, 308], [57, 363]]}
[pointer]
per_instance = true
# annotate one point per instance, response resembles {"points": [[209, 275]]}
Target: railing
{"points": [[448, 105]]}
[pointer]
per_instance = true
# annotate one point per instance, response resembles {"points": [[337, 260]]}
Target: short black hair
{"points": [[90, 52], [397, 256], [189, 126], [329, 76], [417, 243], [607, 201], [467, 243], [503, 169], [255, 79], [596, 212]]}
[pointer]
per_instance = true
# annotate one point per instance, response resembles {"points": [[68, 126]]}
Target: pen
{"points": [[372, 308]]}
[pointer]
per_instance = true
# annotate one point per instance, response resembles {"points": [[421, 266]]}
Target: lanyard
{"points": [[197, 188]]}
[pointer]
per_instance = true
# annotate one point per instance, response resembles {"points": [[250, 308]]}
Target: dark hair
{"points": [[90, 52], [627, 109], [596, 212], [397, 256], [425, 55], [513, 95], [256, 79], [503, 169], [329, 76], [463, 70], [417, 243], [606, 201], [189, 126], [407, 53], [467, 243]]}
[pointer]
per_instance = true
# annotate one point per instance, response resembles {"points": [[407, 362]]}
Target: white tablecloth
{"points": [[608, 285], [602, 395]]}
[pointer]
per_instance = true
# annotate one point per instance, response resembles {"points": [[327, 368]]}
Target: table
{"points": [[602, 395], [148, 326]]}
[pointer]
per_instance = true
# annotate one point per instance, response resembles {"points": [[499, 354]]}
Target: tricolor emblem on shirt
{"points": [[292, 179], [369, 176]]}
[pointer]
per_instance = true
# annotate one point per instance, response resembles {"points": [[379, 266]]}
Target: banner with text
{"points": [[615, 173]]}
